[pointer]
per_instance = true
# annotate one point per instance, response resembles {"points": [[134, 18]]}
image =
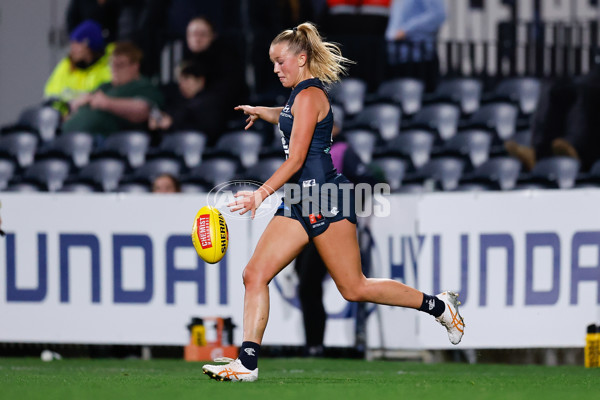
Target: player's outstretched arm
{"points": [[306, 113], [269, 114]]}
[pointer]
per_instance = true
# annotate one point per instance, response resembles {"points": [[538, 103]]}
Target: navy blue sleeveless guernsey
{"points": [[316, 171], [318, 164]]}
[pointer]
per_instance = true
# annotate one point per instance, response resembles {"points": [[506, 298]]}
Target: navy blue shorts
{"points": [[333, 202]]}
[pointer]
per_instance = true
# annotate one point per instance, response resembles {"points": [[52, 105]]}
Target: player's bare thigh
{"points": [[338, 247], [282, 240]]}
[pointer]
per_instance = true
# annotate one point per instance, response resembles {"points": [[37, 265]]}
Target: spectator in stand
{"points": [[412, 39], [191, 107], [104, 12], [166, 183], [565, 122], [224, 72], [181, 12], [122, 104], [84, 68]]}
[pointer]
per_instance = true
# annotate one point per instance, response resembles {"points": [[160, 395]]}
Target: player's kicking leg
{"points": [[450, 318], [343, 263]]}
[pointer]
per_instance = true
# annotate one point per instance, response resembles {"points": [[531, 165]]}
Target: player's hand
{"points": [[245, 201], [251, 112]]}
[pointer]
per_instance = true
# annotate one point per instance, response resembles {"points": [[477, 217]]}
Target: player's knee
{"points": [[249, 277], [253, 277]]}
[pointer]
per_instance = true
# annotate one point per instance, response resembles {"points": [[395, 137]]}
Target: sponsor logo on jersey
{"points": [[313, 219], [286, 112], [309, 183]]}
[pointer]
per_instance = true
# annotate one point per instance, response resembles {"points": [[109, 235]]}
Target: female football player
{"points": [[305, 63]]}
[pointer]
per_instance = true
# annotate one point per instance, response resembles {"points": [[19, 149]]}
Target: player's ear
{"points": [[302, 59]]}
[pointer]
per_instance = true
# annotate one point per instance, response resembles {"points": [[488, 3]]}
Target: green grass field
{"points": [[309, 379]]}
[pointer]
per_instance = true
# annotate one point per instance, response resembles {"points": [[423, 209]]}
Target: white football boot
{"points": [[233, 371], [450, 318]]}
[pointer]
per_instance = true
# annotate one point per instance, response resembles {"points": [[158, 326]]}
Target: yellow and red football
{"points": [[210, 235]]}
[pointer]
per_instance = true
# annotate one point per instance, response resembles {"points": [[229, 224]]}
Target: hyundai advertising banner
{"points": [[121, 269]]}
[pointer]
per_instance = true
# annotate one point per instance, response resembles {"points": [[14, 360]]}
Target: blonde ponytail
{"points": [[325, 60]]}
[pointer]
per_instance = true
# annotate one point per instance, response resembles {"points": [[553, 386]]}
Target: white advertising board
{"points": [[121, 269], [526, 264]]}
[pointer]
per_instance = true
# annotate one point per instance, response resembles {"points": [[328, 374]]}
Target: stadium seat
{"points": [[133, 145], [466, 92], [51, 173], [158, 166], [350, 94], [193, 187], [473, 144], [500, 117], [25, 187], [443, 172], [106, 172], [214, 171], [21, 145], [249, 186], [187, 144], [363, 143], [442, 117], [134, 187], [523, 137], [43, 119], [560, 171], [77, 145], [415, 144], [243, 144], [393, 168], [338, 118], [474, 187], [7, 171], [406, 92], [78, 187], [595, 169], [263, 170], [525, 184], [590, 178], [499, 173], [383, 118], [524, 92], [411, 188]]}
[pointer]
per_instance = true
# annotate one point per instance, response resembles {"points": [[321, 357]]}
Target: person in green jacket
{"points": [[124, 103], [85, 67]]}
